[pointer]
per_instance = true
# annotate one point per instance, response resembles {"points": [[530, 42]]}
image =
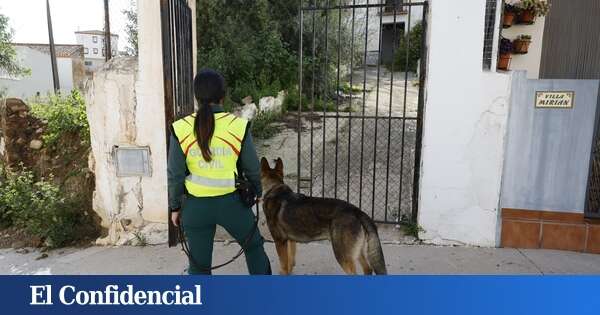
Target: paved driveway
{"points": [[314, 258]]}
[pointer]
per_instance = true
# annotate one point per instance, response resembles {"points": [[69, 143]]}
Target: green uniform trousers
{"points": [[199, 219]]}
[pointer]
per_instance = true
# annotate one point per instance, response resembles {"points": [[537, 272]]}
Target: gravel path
{"points": [[357, 159]]}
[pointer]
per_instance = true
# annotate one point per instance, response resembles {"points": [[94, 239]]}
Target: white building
{"points": [[386, 23], [36, 57], [93, 47]]}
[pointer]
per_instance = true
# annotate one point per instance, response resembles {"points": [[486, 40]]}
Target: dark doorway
{"points": [[389, 40]]}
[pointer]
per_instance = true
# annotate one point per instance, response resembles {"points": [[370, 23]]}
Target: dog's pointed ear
{"points": [[264, 164], [279, 166]]}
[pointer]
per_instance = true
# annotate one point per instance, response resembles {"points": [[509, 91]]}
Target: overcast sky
{"points": [[28, 19]]}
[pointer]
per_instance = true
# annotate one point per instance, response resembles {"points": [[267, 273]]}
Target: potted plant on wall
{"points": [[530, 9], [521, 44], [505, 50], [510, 14]]}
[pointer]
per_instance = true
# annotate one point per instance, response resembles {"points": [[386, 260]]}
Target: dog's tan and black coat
{"points": [[293, 217]]}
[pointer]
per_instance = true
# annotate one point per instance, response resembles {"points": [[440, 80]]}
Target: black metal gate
{"points": [[178, 68], [178, 65], [360, 124], [592, 202]]}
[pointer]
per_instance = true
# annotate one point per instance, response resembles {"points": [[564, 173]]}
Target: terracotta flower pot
{"points": [[504, 61], [508, 19], [521, 46], [526, 17]]}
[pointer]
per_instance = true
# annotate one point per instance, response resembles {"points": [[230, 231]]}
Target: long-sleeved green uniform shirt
{"points": [[177, 168]]}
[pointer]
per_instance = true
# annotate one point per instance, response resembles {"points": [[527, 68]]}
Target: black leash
{"points": [[188, 253]]}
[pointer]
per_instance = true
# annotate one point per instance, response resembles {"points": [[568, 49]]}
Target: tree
{"points": [[131, 28], [407, 58], [332, 33], [241, 40], [8, 55]]}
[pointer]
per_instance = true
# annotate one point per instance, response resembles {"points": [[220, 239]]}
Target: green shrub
{"points": [[292, 101], [37, 207], [414, 53], [63, 115], [256, 91], [229, 104], [5, 211], [264, 125], [354, 89]]}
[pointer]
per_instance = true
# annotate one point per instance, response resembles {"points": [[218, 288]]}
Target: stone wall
{"points": [[65, 164], [21, 134]]}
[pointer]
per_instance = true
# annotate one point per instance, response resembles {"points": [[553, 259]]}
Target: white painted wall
{"points": [[111, 107], [529, 62], [40, 79], [151, 117], [465, 122], [126, 107], [416, 15]]}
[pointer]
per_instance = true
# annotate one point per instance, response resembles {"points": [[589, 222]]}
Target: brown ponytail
{"points": [[209, 88]]}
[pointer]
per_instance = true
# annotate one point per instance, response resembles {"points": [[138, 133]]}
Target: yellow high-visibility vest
{"points": [[217, 177]]}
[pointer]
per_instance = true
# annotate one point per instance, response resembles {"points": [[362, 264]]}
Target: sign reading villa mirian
{"points": [[551, 99]]}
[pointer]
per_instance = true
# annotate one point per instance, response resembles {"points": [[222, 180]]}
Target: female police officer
{"points": [[204, 153]]}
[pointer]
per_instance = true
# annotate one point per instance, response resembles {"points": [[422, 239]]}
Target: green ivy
{"points": [[63, 115]]}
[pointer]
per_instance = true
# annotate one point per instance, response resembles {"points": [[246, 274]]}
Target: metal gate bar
{"points": [[363, 6], [176, 27], [592, 200], [420, 107], [362, 125], [335, 151], [351, 98], [377, 110]]}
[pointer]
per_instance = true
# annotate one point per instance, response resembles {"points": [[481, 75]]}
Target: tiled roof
{"points": [[62, 51]]}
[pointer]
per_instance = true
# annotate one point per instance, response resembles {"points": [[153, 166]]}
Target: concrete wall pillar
{"points": [[465, 120], [126, 109]]}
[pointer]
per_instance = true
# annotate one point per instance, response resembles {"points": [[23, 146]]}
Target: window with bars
{"points": [[488, 40]]}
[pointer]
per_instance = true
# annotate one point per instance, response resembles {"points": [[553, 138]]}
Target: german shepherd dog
{"points": [[293, 217]]}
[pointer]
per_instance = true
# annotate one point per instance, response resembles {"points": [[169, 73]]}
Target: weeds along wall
{"points": [[46, 186]]}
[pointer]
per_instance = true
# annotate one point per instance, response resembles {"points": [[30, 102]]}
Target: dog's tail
{"points": [[374, 251]]}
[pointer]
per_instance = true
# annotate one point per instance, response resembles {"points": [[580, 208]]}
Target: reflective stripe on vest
{"points": [[217, 177], [211, 182]]}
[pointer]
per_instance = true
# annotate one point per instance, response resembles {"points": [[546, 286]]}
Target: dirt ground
{"points": [[356, 159]]}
